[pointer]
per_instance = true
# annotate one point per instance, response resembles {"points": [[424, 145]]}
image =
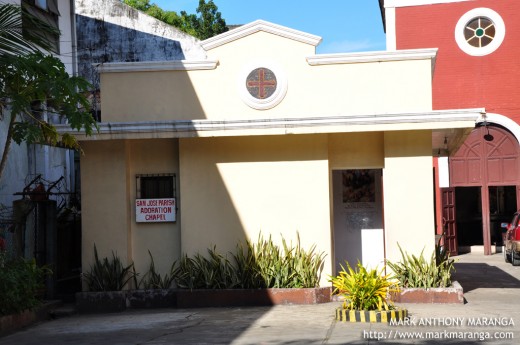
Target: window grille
{"points": [[155, 186]]}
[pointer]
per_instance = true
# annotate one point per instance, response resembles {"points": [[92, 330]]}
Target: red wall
{"points": [[461, 80]]}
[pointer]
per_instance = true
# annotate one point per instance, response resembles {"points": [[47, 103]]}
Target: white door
{"points": [[358, 218]]}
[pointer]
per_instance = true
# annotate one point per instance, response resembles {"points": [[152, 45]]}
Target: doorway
{"points": [[470, 231], [502, 206], [358, 217], [469, 218], [485, 172]]}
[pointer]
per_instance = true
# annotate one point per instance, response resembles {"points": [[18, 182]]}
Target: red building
{"points": [[477, 66]]}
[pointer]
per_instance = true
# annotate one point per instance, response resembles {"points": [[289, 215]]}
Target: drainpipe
{"points": [[73, 37], [70, 165]]}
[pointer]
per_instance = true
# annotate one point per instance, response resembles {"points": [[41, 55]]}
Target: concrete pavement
{"points": [[490, 316]]}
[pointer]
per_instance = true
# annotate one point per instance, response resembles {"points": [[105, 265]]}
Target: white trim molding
{"points": [[256, 26], [410, 3], [153, 66], [377, 56], [459, 118], [500, 31], [391, 29], [503, 121]]}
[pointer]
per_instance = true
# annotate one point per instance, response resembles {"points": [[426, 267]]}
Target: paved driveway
{"points": [[490, 316]]}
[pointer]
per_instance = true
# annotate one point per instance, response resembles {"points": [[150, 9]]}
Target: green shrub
{"points": [[247, 270], [218, 271], [364, 289], [154, 280], [270, 263], [287, 267], [256, 265], [187, 274], [199, 272], [108, 275], [21, 282], [417, 272], [265, 265], [307, 265], [260, 265]]}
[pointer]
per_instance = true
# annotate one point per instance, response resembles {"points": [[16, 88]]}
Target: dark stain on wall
{"points": [[101, 42]]}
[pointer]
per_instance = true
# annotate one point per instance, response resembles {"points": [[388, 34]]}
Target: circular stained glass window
{"points": [[261, 83], [480, 32]]}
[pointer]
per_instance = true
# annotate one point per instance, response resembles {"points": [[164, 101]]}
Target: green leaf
{"points": [[363, 289], [32, 86], [23, 33], [417, 272]]}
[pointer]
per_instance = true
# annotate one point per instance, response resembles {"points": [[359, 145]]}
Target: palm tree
{"points": [[21, 32]]}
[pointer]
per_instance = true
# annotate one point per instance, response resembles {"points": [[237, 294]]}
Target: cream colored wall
{"points": [[151, 96], [408, 193], [162, 239], [235, 188], [105, 201], [108, 170], [340, 89], [356, 150], [368, 88]]}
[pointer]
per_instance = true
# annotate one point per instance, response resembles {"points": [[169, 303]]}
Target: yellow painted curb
{"points": [[372, 316]]}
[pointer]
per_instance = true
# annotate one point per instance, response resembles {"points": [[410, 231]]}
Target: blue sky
{"points": [[344, 25]]}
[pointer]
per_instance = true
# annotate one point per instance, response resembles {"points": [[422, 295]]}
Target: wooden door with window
{"points": [[489, 157]]}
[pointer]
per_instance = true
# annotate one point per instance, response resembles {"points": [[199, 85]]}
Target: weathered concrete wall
{"points": [[109, 31], [17, 168], [27, 161]]}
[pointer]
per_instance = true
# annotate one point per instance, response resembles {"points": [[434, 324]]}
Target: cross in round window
{"points": [[479, 32], [261, 83]]}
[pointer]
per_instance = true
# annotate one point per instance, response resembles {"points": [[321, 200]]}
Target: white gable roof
{"points": [[256, 26]]}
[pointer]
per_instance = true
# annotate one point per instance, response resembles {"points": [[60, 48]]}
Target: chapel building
{"points": [[265, 136]]}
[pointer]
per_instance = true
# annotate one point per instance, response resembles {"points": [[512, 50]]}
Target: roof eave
{"points": [[256, 26]]}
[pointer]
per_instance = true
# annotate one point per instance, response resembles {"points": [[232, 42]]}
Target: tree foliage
{"points": [[20, 282], [33, 85], [21, 32], [208, 23]]}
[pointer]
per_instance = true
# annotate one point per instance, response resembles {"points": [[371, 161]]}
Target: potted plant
{"points": [[365, 293]]}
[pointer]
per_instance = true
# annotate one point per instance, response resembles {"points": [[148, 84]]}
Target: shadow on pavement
{"points": [[482, 275]]}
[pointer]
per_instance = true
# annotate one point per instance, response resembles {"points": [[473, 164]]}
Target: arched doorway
{"points": [[484, 180]]}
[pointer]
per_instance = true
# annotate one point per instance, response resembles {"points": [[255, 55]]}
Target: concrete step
{"points": [[64, 310]]}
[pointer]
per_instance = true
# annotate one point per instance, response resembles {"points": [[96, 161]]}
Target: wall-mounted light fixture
{"points": [[444, 147], [487, 136]]}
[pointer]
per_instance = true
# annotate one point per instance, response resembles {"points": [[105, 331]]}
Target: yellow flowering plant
{"points": [[364, 289]]}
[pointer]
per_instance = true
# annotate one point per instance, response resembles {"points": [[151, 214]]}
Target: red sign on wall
{"points": [[155, 210]]}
